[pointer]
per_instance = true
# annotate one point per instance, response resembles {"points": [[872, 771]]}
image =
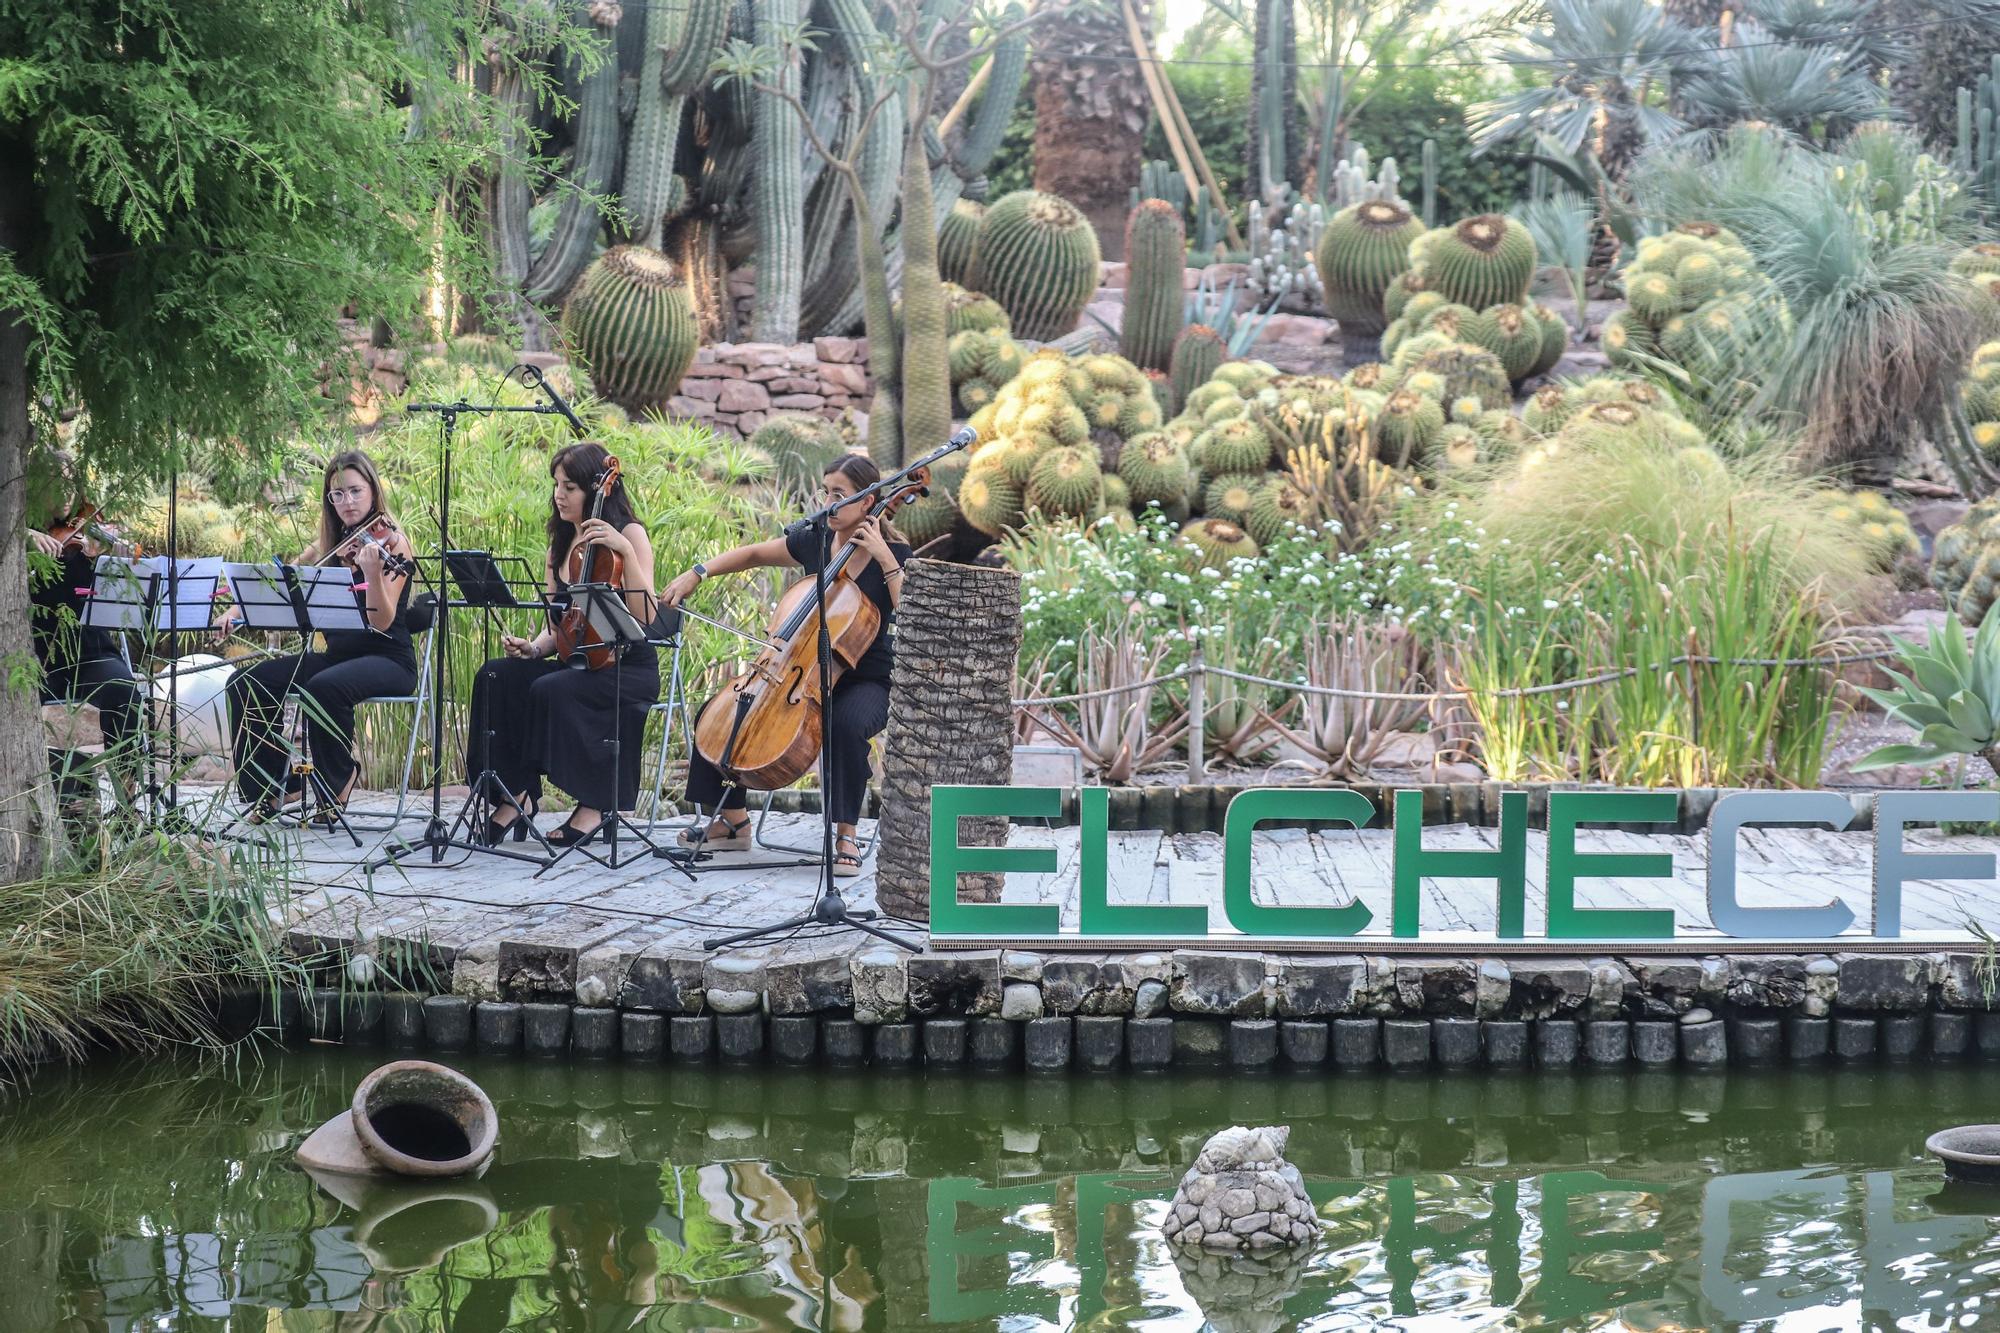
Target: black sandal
{"points": [[569, 835], [846, 865]]}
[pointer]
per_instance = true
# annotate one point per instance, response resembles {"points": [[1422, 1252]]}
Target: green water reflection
{"points": [[162, 1197]]}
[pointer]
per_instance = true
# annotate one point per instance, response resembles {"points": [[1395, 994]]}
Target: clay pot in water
{"points": [[409, 1118]]}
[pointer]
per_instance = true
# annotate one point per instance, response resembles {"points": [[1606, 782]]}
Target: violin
{"points": [[590, 563], [374, 530], [762, 731], [83, 527]]}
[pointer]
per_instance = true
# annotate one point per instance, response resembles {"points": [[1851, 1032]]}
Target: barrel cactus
{"points": [[1038, 257], [965, 310], [799, 447], [958, 241], [1878, 526], [1198, 351], [631, 322], [1481, 262], [1155, 259], [1217, 541], [1066, 481], [1965, 561], [1154, 470], [1364, 249]]}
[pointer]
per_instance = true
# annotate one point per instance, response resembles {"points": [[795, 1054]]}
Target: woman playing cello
{"points": [[540, 717], [858, 708], [354, 525]]}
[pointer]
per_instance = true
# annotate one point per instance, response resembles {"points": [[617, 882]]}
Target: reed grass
{"points": [[127, 937]]}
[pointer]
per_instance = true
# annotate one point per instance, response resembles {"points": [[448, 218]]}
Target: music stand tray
{"points": [[132, 595]]}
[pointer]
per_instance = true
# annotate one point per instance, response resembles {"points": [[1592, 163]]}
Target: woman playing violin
{"points": [[858, 708], [534, 717], [80, 662], [354, 526]]}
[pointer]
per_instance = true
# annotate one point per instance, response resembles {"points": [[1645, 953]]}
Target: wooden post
{"points": [[1197, 731]]}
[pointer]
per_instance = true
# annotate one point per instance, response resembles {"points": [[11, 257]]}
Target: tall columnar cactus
{"points": [[630, 321], [1977, 152], [1155, 258], [1197, 353], [778, 188], [1038, 257], [958, 241], [1483, 261], [1365, 247], [926, 373], [681, 41]]}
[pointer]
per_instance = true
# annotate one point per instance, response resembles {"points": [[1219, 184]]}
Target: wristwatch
{"points": [[699, 570]]}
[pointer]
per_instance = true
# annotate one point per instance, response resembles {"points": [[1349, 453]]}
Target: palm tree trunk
{"points": [[950, 721], [1090, 112]]}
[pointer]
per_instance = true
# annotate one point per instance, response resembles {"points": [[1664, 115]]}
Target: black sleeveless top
{"points": [[637, 655], [880, 659], [393, 643]]}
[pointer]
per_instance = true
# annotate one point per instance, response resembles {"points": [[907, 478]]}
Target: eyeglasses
{"points": [[826, 495], [336, 494]]}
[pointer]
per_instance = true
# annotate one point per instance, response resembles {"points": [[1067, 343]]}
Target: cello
{"points": [[762, 731], [590, 563]]}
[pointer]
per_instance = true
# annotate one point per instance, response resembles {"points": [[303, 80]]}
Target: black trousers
{"points": [[855, 712], [106, 684], [538, 718], [332, 687]]}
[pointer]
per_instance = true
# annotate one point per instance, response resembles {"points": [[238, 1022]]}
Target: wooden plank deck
{"points": [[495, 925]]}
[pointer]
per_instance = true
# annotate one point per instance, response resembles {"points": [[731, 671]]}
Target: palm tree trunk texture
{"points": [[1091, 107], [951, 722]]}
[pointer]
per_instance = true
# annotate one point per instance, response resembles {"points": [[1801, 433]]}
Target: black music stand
{"points": [[151, 597], [303, 600], [485, 584], [437, 835], [604, 608], [829, 908]]}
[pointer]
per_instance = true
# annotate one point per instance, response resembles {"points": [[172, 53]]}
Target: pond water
{"points": [[162, 1196]]}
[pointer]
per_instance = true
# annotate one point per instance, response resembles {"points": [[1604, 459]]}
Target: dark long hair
{"points": [[861, 470], [583, 463], [331, 529]]}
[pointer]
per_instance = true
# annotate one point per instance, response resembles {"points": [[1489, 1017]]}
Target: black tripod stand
{"points": [[437, 837], [829, 908]]}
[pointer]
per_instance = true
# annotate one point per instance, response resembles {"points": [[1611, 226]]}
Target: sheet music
{"points": [[263, 598], [604, 607], [330, 600], [184, 589]]}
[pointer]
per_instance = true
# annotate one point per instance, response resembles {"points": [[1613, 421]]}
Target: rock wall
{"points": [[735, 387]]}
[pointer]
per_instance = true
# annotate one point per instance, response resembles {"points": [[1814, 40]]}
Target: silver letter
{"points": [[1895, 867], [1770, 807]]}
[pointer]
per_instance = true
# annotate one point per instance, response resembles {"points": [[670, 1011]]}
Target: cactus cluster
{"points": [[1694, 298], [1052, 439], [1979, 395], [1482, 261], [1882, 529], [1965, 561], [981, 362], [1525, 340], [1037, 255], [1285, 235], [1363, 249]]}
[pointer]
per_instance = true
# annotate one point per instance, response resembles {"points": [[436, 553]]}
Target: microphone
{"points": [[963, 437], [556, 401]]}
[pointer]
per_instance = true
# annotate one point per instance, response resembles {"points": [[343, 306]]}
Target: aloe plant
{"points": [[1950, 694]]}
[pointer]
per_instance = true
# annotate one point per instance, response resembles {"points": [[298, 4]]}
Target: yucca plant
{"points": [[1564, 226], [1948, 692]]}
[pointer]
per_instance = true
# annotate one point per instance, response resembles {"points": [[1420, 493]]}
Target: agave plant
{"points": [[1345, 734], [1602, 62], [1117, 733], [1950, 695]]}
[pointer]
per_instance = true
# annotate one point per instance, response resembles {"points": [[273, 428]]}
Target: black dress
{"points": [[354, 665], [855, 712], [83, 663], [543, 718]]}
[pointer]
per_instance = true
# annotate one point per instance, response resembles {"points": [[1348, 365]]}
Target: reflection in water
{"points": [[165, 1198]]}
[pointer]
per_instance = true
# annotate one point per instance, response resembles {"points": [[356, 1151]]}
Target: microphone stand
{"points": [[829, 908], [436, 837]]}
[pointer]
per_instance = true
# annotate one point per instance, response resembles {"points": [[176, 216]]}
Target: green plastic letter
{"points": [[1254, 807], [1567, 809], [1508, 865], [949, 916], [1096, 913]]}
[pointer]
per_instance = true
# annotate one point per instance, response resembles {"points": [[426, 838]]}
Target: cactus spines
{"points": [[965, 310], [930, 518], [778, 189], [926, 380], [1154, 470], [1408, 427], [1396, 297], [1626, 338], [1516, 337], [1156, 258], [1483, 261], [990, 500], [1197, 353], [1364, 249], [1066, 481], [1278, 506], [631, 322], [800, 447], [1655, 297], [1217, 541], [958, 241], [1038, 258], [1230, 497], [1238, 445], [1555, 339]]}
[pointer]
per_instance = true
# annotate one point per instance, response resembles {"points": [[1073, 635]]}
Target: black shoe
{"points": [[569, 835], [496, 832]]}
